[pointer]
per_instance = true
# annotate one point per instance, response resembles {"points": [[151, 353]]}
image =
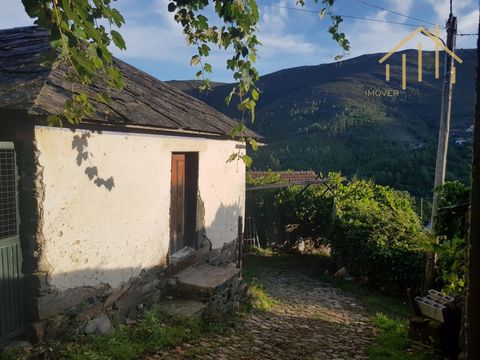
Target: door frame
{"points": [[191, 167]]}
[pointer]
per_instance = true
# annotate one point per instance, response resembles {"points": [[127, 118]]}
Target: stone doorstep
{"points": [[203, 280], [183, 308], [181, 260]]}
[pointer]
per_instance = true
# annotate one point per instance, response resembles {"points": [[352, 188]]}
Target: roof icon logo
{"points": [[439, 45]]}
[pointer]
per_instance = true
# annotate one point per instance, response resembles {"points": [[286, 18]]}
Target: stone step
{"points": [[182, 308], [204, 280]]}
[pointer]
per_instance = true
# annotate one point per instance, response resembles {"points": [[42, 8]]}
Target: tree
{"points": [[83, 29]]}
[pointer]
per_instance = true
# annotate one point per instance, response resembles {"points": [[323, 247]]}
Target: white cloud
{"points": [[469, 22], [13, 15], [276, 36], [160, 38], [442, 8], [274, 17], [402, 6]]}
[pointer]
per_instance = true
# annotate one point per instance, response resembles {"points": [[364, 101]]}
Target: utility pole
{"points": [[443, 134], [445, 114]]}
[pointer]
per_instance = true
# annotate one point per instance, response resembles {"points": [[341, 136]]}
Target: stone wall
{"points": [[227, 298]]}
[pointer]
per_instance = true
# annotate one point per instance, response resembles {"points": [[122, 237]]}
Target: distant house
{"points": [[89, 208], [286, 176]]}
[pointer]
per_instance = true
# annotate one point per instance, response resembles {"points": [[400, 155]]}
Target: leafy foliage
{"points": [[373, 229], [451, 229], [82, 31], [76, 28], [378, 235]]}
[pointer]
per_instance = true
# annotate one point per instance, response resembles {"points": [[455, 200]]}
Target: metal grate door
{"points": [[11, 302]]}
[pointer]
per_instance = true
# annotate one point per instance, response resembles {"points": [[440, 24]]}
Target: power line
{"points": [[342, 15], [393, 12], [363, 18]]}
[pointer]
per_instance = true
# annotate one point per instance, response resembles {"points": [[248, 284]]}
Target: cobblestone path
{"points": [[309, 320]]}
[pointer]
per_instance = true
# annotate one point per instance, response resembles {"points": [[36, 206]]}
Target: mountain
{"points": [[345, 117]]}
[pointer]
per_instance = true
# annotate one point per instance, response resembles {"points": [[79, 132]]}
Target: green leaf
{"points": [[322, 13], [207, 67], [255, 95], [253, 143], [248, 161], [118, 40], [195, 60], [232, 157]]}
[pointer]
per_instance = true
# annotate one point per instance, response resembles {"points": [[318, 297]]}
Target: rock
{"points": [[115, 295], [90, 312], [172, 283], [19, 345], [342, 272], [349, 278], [299, 245], [99, 325]]}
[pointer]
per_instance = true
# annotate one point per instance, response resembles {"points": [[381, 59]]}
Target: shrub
{"points": [[374, 230], [451, 229], [378, 235]]}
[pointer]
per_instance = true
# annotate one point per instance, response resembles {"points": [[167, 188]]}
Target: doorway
{"points": [[183, 204]]}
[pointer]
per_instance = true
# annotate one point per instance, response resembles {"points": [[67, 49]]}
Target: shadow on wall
{"points": [[224, 227], [80, 145], [94, 277]]}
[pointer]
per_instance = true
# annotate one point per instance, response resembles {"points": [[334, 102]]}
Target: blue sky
{"points": [[290, 38]]}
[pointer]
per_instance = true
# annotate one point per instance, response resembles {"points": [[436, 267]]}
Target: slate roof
{"points": [[29, 82], [285, 176]]}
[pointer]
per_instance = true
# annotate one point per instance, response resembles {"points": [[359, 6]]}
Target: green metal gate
{"points": [[11, 301]]}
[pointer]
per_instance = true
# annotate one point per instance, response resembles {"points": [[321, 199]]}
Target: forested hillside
{"points": [[326, 118]]}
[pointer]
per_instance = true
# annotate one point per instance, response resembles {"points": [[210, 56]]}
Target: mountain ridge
{"points": [[323, 117]]}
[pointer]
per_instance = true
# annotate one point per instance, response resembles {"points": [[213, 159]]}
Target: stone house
{"points": [[111, 207]]}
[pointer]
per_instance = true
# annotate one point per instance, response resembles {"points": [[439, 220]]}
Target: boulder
{"points": [[100, 325], [342, 273]]}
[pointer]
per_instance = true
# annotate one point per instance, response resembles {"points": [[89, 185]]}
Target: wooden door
{"points": [[177, 205]]}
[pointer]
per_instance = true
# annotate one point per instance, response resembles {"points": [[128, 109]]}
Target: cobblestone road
{"points": [[308, 320]]}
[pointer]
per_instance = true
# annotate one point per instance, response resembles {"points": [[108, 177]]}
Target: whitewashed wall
{"points": [[97, 235]]}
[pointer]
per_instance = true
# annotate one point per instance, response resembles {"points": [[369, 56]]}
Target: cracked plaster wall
{"points": [[106, 201]]}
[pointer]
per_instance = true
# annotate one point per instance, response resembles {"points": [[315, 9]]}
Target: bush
{"points": [[373, 230], [451, 229], [378, 235]]}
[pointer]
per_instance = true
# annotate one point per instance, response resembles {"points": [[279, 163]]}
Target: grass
{"points": [[260, 300], [392, 343], [156, 331]]}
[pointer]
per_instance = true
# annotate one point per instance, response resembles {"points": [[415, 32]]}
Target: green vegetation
{"points": [[392, 342], [260, 300], [320, 118], [153, 332], [373, 229], [451, 229]]}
